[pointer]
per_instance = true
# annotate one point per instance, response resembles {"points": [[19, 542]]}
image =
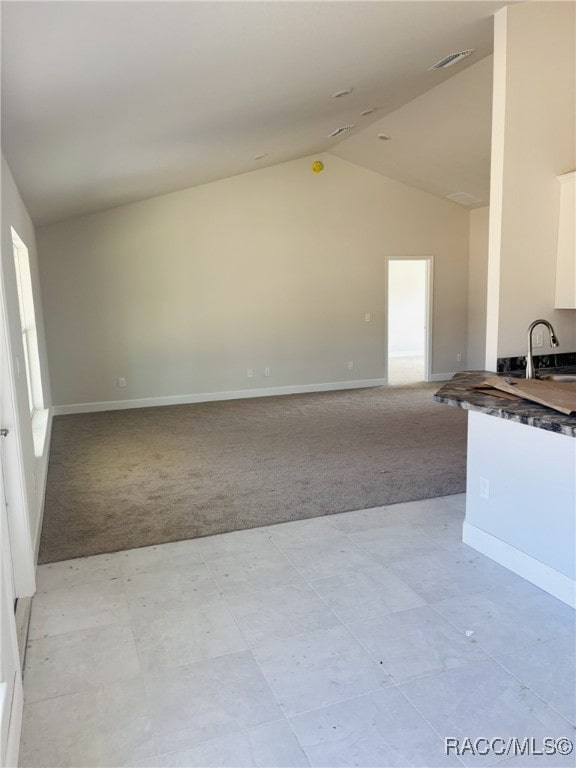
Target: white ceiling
{"points": [[440, 141], [105, 103]]}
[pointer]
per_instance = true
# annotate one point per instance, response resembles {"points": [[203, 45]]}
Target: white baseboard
{"points": [[550, 580], [442, 376], [204, 397]]}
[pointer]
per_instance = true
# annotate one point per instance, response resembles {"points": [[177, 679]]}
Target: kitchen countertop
{"points": [[459, 392]]}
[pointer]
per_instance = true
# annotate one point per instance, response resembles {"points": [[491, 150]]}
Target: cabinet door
{"points": [[566, 257]]}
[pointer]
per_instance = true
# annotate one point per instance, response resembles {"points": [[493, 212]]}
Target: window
{"points": [[29, 341]]}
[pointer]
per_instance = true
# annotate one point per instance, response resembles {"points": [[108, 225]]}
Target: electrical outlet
{"points": [[250, 372], [367, 317], [266, 371], [484, 488], [351, 365], [538, 339], [459, 357], [121, 381]]}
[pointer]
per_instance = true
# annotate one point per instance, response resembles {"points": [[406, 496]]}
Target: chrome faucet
{"points": [[529, 357]]}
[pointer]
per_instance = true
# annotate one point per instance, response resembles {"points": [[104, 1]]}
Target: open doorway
{"points": [[409, 312]]}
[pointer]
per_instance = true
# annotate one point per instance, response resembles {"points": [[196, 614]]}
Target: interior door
{"points": [[11, 698], [11, 693]]}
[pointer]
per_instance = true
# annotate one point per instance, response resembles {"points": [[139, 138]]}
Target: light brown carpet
{"points": [[123, 479]]}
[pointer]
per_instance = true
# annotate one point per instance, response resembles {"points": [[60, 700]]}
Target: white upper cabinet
{"points": [[566, 257]]}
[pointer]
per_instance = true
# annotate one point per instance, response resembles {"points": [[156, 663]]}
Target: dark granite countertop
{"points": [[460, 393]]}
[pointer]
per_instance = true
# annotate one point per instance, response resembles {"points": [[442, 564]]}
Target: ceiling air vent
{"points": [[451, 59], [463, 198], [339, 131]]}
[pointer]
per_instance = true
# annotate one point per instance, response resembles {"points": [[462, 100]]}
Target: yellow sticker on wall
{"points": [[317, 166]]}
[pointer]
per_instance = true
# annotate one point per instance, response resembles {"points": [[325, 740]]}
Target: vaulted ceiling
{"points": [[105, 103]]}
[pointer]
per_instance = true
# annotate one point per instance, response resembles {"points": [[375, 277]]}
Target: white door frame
{"points": [[429, 298], [11, 690], [21, 539]]}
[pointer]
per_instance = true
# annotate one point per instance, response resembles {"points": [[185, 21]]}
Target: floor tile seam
{"points": [[309, 580], [475, 662], [208, 560], [297, 714], [489, 653], [143, 678], [469, 594], [310, 583], [453, 505], [318, 539], [155, 731], [117, 622], [123, 573], [76, 585], [414, 705], [156, 569], [89, 689], [131, 599], [147, 675], [433, 539], [338, 702], [228, 594], [364, 547], [255, 646], [68, 587], [350, 635], [422, 533], [441, 738], [371, 618], [249, 646], [424, 674], [288, 638], [538, 695], [221, 598], [216, 739], [293, 730], [155, 736], [535, 644], [460, 631], [237, 554]]}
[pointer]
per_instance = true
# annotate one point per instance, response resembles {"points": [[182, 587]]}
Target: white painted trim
{"points": [[22, 619], [442, 376], [550, 580], [500, 45], [17, 497], [15, 727], [204, 397], [41, 483]]}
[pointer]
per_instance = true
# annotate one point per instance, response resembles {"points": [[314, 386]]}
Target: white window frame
{"points": [[33, 371]]}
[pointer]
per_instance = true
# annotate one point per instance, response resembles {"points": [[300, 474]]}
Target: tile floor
{"points": [[405, 370], [358, 639]]}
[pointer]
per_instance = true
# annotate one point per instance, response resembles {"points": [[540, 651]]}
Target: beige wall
{"points": [[477, 288], [182, 293], [16, 414], [533, 141]]}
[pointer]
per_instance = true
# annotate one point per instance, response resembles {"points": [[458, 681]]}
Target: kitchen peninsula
{"points": [[520, 485]]}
